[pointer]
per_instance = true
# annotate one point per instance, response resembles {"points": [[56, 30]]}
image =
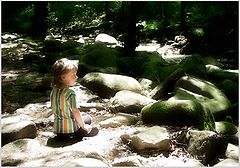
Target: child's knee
{"points": [[87, 119]]}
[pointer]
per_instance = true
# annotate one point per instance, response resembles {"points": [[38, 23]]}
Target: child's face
{"points": [[69, 78]]}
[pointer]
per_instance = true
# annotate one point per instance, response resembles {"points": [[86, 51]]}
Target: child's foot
{"points": [[93, 132]]}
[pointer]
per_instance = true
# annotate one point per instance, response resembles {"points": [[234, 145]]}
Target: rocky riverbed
{"points": [[123, 139]]}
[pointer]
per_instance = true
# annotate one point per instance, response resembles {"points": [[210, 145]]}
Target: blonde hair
{"points": [[59, 68]]}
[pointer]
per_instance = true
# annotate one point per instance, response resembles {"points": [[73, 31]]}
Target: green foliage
{"points": [[151, 25], [23, 21], [156, 19], [198, 32], [82, 14]]}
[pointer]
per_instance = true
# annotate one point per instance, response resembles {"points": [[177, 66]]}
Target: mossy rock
{"points": [[225, 128], [194, 66], [229, 88], [206, 93], [131, 65], [179, 113], [158, 71], [99, 55]]}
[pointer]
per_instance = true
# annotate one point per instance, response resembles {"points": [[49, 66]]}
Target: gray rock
{"points": [[85, 162], [22, 151], [232, 151], [36, 112], [16, 128], [119, 120], [206, 145], [107, 85], [227, 163], [225, 128], [105, 38], [155, 137], [222, 74], [133, 161], [129, 102]]}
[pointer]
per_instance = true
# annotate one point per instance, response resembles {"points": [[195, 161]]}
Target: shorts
{"points": [[80, 133]]}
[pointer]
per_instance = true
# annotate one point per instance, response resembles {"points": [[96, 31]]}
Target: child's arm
{"points": [[78, 117]]}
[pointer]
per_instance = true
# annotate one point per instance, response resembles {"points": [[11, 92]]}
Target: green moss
{"points": [[99, 55], [180, 113], [226, 128]]}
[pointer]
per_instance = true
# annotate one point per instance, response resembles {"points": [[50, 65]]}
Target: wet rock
{"points": [[155, 137], [129, 102], [107, 85], [119, 120], [15, 128]]}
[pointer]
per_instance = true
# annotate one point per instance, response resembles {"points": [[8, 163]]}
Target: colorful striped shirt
{"points": [[62, 102]]}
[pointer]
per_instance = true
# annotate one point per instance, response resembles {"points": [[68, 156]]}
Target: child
{"points": [[68, 121]]}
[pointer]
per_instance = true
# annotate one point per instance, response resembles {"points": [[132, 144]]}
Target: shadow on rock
{"points": [[56, 142]]}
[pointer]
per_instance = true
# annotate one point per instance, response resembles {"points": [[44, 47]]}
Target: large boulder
{"points": [[179, 113], [105, 38], [228, 163], [19, 151], [99, 55], [155, 137], [129, 102], [119, 120], [156, 68], [229, 88], [131, 65], [194, 66], [206, 93], [14, 128], [214, 72], [107, 85], [225, 128], [162, 90], [36, 112]]}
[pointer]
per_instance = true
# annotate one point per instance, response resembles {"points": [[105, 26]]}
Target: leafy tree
{"points": [[16, 16]]}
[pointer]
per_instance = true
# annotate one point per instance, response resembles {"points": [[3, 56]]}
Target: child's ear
{"points": [[62, 77]]}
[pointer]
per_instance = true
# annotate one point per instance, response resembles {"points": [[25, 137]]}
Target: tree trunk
{"points": [[183, 17], [130, 40], [39, 23], [107, 20]]}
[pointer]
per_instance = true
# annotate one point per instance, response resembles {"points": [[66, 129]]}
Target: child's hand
{"points": [[88, 128]]}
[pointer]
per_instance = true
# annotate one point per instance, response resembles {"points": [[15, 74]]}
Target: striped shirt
{"points": [[62, 102]]}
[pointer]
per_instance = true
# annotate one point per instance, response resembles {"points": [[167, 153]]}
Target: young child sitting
{"points": [[68, 121]]}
